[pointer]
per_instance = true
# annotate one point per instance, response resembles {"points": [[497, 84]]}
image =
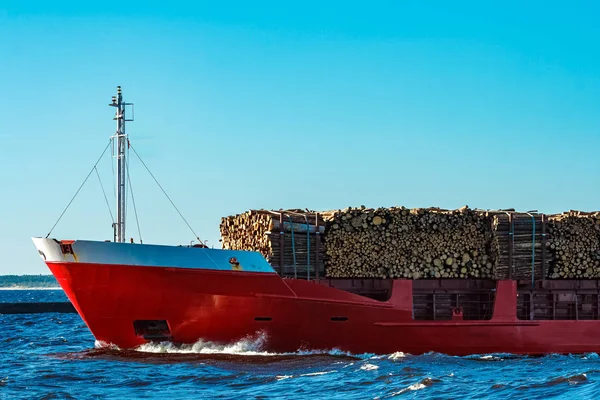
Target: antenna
{"points": [[121, 143]]}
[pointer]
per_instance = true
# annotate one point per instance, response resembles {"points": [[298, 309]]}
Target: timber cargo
{"points": [[421, 243]]}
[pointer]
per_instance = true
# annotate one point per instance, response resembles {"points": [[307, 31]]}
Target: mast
{"points": [[121, 144]]}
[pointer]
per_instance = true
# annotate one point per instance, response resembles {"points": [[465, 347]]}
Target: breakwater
{"points": [[37, 308]]}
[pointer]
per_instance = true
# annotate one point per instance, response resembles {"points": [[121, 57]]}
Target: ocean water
{"points": [[54, 356]]}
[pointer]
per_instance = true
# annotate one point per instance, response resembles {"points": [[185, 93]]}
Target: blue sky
{"points": [[268, 105]]}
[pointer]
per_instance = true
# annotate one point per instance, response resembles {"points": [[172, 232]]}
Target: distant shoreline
{"points": [[28, 282], [30, 288]]}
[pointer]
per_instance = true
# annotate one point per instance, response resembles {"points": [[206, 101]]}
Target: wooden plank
{"points": [[544, 218], [510, 246], [281, 243], [317, 245], [531, 308]]}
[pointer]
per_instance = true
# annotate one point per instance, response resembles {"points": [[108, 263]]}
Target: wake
{"points": [[249, 346]]}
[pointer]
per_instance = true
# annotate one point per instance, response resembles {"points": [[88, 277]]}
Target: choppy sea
{"points": [[48, 356]]}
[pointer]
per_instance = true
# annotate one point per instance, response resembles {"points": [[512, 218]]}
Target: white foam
{"points": [[369, 367], [331, 352], [248, 346], [396, 355], [282, 377], [413, 387], [318, 373], [251, 345], [99, 344], [416, 386]]}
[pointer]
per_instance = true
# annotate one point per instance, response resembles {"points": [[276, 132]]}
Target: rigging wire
{"points": [[112, 164], [126, 203], [78, 190], [165, 193], [104, 193], [137, 221]]}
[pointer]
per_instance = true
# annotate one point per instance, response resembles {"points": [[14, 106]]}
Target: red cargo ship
{"points": [[129, 294]]}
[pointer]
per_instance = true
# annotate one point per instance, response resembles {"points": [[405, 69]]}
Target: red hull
{"points": [[221, 306]]}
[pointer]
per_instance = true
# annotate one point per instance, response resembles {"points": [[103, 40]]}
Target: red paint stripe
{"points": [[167, 268]]}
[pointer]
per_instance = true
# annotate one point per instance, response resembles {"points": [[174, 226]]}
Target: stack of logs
{"points": [[519, 240], [288, 239], [420, 243], [575, 245], [401, 243]]}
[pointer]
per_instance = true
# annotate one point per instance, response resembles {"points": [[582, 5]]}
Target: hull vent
{"points": [[339, 319], [157, 329]]}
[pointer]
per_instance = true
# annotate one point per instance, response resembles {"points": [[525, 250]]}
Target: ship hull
{"points": [[226, 306]]}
